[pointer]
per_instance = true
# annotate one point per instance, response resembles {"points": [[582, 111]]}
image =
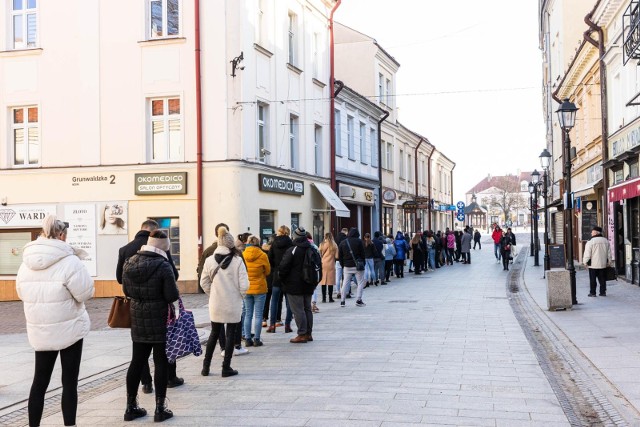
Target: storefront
{"points": [[360, 202]]}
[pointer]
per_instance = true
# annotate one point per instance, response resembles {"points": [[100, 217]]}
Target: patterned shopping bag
{"points": [[182, 336]]}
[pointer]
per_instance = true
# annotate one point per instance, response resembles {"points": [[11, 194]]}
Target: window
{"points": [[350, 138], [389, 156], [25, 132], [317, 137], [260, 22], [293, 42], [401, 169], [388, 91], [164, 18], [11, 246], [422, 173], [262, 132], [24, 18], [380, 86], [409, 167], [316, 55], [633, 170], [338, 131], [373, 139], [295, 222], [363, 143], [166, 130], [293, 141], [171, 227]]}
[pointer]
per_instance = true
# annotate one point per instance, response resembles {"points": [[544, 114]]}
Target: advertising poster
{"points": [[112, 218], [82, 233]]}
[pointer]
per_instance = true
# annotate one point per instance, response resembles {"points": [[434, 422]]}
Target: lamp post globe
{"points": [[567, 114], [535, 176], [545, 159]]}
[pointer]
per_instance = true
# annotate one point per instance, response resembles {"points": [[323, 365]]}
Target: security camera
{"points": [[265, 152]]}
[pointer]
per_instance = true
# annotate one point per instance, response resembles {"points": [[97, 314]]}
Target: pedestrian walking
{"points": [[126, 252], [329, 254], [496, 235], [597, 256], [389, 253], [402, 248], [258, 268], [465, 246], [226, 281], [281, 243], [54, 284], [339, 273], [149, 281], [514, 249], [505, 250], [476, 240], [350, 254], [297, 289]]}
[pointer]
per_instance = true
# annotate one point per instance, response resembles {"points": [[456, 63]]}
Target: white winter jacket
{"points": [[227, 289], [54, 284], [598, 251]]}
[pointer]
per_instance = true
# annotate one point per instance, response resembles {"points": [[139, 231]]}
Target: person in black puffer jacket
{"points": [[280, 244], [298, 291], [149, 281], [350, 250]]}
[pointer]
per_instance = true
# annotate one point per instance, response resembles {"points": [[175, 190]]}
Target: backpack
{"points": [[311, 266]]}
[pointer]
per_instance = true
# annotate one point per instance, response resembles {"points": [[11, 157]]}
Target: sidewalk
{"points": [[442, 348]]}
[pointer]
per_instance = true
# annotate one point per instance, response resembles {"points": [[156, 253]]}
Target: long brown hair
{"points": [[367, 239]]}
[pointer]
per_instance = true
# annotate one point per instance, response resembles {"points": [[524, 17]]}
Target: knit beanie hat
{"points": [[159, 240], [300, 232], [225, 239]]}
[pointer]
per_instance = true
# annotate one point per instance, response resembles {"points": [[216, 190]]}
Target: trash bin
{"points": [[635, 261]]}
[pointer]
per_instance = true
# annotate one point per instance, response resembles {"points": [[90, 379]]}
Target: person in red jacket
{"points": [[496, 236]]}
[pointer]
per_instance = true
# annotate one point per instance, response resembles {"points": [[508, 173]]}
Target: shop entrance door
{"points": [[267, 225], [619, 238]]}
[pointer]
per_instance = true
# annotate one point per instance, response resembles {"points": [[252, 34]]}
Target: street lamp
{"points": [[545, 162], [532, 189], [535, 180], [567, 118]]}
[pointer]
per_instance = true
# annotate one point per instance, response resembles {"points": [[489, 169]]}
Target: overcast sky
{"points": [[469, 80]]}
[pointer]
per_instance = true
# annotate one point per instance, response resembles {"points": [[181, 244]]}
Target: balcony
{"points": [[631, 31]]}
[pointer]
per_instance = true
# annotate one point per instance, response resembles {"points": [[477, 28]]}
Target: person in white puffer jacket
{"points": [[54, 284]]}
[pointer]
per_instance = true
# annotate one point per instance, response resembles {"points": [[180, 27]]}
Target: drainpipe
{"points": [[415, 177], [429, 186], [332, 148], [452, 212], [603, 106], [199, 201], [385, 114]]}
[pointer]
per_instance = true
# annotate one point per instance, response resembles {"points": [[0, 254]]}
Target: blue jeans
{"points": [[275, 297], [338, 276], [253, 303], [496, 250], [432, 258], [369, 272], [379, 268]]}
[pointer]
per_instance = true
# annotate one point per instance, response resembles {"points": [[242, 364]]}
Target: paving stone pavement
{"points": [[442, 348]]}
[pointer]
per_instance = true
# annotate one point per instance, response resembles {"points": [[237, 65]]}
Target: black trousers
{"points": [[45, 361], [145, 377], [140, 358], [388, 266], [505, 259], [218, 333], [398, 267], [477, 242], [601, 275]]}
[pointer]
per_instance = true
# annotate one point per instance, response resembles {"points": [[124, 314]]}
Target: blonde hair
{"points": [[284, 231], [52, 227], [253, 240]]}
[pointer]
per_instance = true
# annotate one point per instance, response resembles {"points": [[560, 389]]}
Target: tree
{"points": [[506, 195]]}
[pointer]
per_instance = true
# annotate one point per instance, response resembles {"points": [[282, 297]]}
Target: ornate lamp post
{"points": [[567, 119], [535, 180], [545, 162], [532, 189]]}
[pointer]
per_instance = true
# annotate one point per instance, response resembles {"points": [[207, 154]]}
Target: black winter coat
{"points": [[275, 254], [379, 242], [150, 283], [344, 254], [132, 248], [290, 269]]}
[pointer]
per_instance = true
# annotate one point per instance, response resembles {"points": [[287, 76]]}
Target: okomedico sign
{"points": [[160, 183], [278, 184]]}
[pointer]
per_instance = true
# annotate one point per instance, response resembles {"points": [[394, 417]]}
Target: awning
{"points": [[624, 190], [332, 198], [587, 190]]}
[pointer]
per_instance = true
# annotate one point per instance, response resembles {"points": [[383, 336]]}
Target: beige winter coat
{"points": [[227, 289], [598, 252], [329, 255]]}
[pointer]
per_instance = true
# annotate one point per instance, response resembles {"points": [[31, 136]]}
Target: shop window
{"points": [[318, 228], [11, 245], [267, 225], [171, 227], [633, 170], [295, 222]]}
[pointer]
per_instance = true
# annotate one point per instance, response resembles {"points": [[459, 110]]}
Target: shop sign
{"points": [[82, 233], [625, 141], [148, 184], [277, 184], [93, 179], [25, 215]]}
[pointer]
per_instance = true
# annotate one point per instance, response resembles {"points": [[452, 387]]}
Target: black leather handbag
{"points": [[611, 274]]}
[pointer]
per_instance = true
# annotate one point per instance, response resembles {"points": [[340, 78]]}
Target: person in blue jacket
{"points": [[402, 248]]}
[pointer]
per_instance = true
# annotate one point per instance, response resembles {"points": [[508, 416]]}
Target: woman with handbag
{"points": [[225, 280], [149, 281], [54, 284], [505, 250]]}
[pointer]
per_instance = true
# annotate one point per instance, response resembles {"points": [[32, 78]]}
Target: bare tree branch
{"points": [[506, 195]]}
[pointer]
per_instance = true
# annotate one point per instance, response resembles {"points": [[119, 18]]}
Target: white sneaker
{"points": [[240, 351]]}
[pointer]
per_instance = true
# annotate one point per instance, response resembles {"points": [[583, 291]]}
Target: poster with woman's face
{"points": [[112, 218]]}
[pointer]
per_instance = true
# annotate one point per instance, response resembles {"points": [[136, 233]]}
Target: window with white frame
{"points": [[262, 131], [25, 134], [401, 168], [317, 139], [293, 141], [363, 143], [409, 167], [293, 42], [388, 92], [164, 18], [316, 55], [373, 138], [389, 156], [24, 24], [380, 86], [166, 130], [422, 173], [338, 131], [350, 138]]}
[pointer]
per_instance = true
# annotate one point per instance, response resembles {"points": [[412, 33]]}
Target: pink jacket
{"points": [[451, 241]]}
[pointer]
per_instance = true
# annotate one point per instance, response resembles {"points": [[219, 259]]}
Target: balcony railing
{"points": [[631, 31]]}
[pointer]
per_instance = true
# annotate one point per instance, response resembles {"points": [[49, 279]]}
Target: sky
{"points": [[470, 78]]}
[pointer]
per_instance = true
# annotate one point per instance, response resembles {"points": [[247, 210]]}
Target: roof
{"points": [[473, 206], [490, 181]]}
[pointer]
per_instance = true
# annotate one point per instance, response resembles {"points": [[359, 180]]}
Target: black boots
{"points": [[331, 293], [206, 364], [162, 412], [133, 411], [228, 372]]}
